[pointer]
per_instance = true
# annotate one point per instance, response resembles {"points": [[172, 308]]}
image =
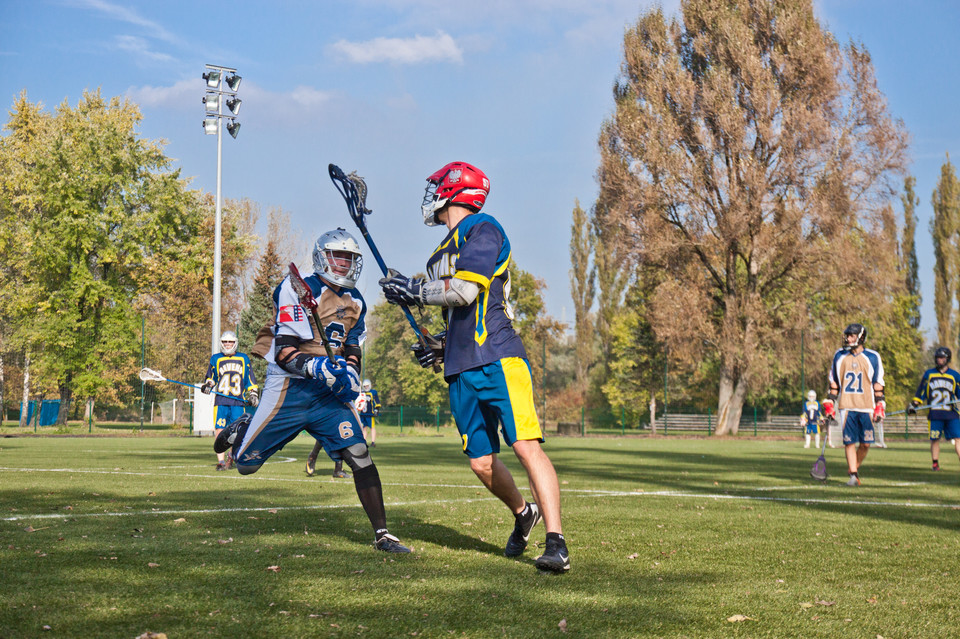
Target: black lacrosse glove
{"points": [[400, 289], [207, 387], [431, 352], [912, 408]]}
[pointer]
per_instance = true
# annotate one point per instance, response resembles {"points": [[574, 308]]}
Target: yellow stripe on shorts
{"points": [[516, 372]]}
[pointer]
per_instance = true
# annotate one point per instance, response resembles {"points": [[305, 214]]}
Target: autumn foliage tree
{"points": [[749, 160]]}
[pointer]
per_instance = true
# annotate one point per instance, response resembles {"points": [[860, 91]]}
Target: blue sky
{"points": [[397, 88]]}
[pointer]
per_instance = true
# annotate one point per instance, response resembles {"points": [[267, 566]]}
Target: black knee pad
{"points": [[357, 457], [248, 470], [366, 477]]}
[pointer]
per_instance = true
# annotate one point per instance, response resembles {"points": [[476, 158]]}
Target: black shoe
{"points": [[339, 474], [228, 435], [389, 543], [555, 558], [517, 542], [311, 466], [936, 465], [373, 444]]}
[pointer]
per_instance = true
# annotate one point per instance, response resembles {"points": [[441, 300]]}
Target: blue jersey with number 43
{"points": [[231, 375]]}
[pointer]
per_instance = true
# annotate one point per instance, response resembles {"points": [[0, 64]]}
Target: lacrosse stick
{"points": [[924, 407], [354, 192], [150, 375], [306, 298], [819, 470]]}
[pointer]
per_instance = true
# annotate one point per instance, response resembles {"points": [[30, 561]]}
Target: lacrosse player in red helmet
{"points": [[485, 364]]}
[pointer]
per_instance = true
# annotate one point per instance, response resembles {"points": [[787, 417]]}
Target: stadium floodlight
{"points": [[211, 102], [213, 78], [215, 97]]}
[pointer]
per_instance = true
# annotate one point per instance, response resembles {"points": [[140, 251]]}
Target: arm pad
{"points": [[458, 293]]}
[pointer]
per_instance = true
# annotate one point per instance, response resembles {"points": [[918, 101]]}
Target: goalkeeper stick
{"points": [[150, 375], [354, 192]]}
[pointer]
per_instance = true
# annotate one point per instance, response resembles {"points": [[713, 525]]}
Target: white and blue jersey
{"points": [[811, 416]]}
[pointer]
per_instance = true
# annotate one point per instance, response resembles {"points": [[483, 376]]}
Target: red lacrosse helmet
{"points": [[456, 183]]}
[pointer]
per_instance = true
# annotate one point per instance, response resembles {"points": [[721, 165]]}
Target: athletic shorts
{"points": [[367, 421], [290, 405], [491, 396], [813, 428], [225, 415], [947, 428], [857, 427]]}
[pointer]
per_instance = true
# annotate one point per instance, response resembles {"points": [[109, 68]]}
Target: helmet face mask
{"points": [[337, 258], [945, 353], [228, 343], [812, 396], [455, 183], [367, 385], [854, 329]]}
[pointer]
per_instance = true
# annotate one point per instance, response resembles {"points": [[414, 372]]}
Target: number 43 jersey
{"points": [[231, 375], [939, 389], [855, 374]]}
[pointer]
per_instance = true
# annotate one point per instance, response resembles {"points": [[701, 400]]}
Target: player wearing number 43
{"points": [[940, 388], [229, 374], [307, 391], [484, 360], [856, 399]]}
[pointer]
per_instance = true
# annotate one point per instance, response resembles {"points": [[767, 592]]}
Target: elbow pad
{"points": [[459, 293]]}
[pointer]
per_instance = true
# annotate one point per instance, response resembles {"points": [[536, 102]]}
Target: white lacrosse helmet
{"points": [[337, 258], [231, 338], [812, 395], [367, 385]]}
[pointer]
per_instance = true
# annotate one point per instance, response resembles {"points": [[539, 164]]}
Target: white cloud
{"points": [[140, 48], [127, 15], [438, 48], [186, 93]]}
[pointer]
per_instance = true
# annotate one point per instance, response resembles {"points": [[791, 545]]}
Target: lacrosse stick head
{"points": [[354, 191], [150, 375], [819, 470], [300, 287]]}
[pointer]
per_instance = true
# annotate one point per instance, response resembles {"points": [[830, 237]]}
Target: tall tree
{"points": [[746, 152], [582, 289], [945, 229], [908, 249]]}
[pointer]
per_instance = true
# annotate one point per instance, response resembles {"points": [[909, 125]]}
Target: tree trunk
{"points": [[66, 394], [88, 410], [25, 402], [733, 391], [653, 414]]}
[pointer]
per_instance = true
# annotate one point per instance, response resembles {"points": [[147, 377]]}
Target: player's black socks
{"points": [[558, 538], [524, 515], [367, 482]]}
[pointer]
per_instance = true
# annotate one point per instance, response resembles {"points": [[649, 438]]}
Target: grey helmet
{"points": [[812, 396], [337, 240], [228, 336], [367, 385]]}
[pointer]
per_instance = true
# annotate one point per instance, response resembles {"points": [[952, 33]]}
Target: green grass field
{"points": [[116, 536]]}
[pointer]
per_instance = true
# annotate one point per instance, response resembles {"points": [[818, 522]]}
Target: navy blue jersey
{"points": [[811, 411], [368, 403], [231, 375], [477, 250], [939, 389]]}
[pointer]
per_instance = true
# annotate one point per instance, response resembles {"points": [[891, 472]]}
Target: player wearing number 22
{"points": [[229, 374], [856, 399], [307, 391], [940, 387]]}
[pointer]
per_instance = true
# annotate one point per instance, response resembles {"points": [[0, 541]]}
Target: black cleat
{"points": [[555, 558], [936, 465], [228, 435], [311, 466], [339, 474], [389, 543], [517, 542]]}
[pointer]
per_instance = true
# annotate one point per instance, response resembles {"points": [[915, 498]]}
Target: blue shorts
{"points": [[224, 415], [947, 428], [289, 406], [857, 427], [367, 421], [813, 428], [491, 396]]}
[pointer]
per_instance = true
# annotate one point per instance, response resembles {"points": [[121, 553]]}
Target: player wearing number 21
{"points": [[856, 399], [229, 374]]}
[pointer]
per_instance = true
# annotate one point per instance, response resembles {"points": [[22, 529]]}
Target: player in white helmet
{"points": [[810, 419], [229, 373], [307, 391], [368, 405]]}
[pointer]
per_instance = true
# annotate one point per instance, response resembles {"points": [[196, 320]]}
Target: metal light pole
{"points": [[214, 99]]}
